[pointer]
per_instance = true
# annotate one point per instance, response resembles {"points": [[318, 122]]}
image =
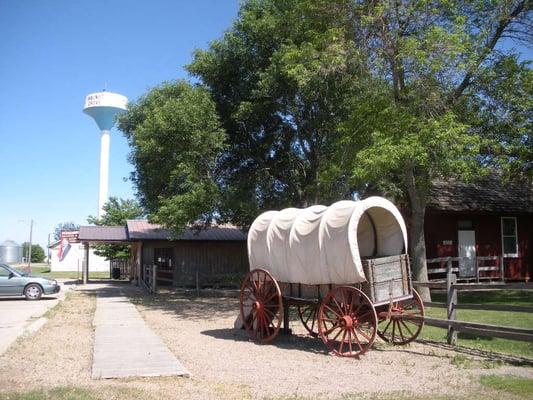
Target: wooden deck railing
{"points": [[453, 325]]}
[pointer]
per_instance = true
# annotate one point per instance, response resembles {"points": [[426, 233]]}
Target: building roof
{"points": [[103, 233], [488, 195], [9, 243], [139, 229]]}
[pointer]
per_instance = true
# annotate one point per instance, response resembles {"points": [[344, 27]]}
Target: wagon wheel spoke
{"points": [[261, 305], [406, 321], [342, 341], [355, 316], [332, 310], [350, 340], [308, 313], [400, 330], [356, 329], [406, 327]]}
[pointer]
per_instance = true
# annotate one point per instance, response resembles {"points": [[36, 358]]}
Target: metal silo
{"points": [[10, 252]]}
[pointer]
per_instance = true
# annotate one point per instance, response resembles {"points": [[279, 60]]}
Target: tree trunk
{"points": [[417, 243], [417, 246]]}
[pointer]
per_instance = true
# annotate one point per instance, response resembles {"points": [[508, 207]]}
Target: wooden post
{"points": [[197, 284], [477, 269], [86, 266], [451, 302], [286, 319], [448, 266], [154, 279], [502, 270]]}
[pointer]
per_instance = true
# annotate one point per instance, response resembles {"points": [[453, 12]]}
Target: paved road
{"points": [[17, 314]]}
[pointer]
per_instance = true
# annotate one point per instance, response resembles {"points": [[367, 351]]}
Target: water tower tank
{"points": [[104, 107], [10, 252]]}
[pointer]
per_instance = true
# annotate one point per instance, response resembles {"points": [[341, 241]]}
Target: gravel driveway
{"points": [[200, 333]]}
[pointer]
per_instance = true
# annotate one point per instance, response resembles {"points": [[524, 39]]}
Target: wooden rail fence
{"points": [[446, 265], [149, 278], [454, 326]]}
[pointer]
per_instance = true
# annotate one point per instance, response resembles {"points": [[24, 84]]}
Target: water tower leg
{"points": [[104, 171]]}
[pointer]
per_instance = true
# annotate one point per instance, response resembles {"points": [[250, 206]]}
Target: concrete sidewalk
{"points": [[18, 316], [124, 345]]}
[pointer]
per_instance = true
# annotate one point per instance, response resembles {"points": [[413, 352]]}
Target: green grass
{"points": [[514, 319], [44, 270], [509, 384], [76, 393]]}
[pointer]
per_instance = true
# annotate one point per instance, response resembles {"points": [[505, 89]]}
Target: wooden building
{"points": [[487, 218], [215, 256]]}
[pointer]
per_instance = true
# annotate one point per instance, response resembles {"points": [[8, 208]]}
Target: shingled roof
{"points": [[488, 195], [139, 229]]}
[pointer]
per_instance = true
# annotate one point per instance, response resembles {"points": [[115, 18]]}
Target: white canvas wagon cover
{"points": [[326, 245]]}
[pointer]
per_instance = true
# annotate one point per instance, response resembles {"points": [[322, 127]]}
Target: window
{"points": [[464, 224], [3, 271], [509, 237]]}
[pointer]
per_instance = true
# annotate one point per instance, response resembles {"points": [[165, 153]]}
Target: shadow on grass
{"points": [[485, 354]]}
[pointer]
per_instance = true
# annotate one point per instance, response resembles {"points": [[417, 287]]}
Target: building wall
{"points": [[441, 233], [218, 263], [74, 259]]}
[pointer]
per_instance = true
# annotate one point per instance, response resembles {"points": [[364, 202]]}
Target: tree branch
{"points": [[502, 25]]}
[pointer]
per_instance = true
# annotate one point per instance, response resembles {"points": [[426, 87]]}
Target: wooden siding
{"points": [[214, 263], [443, 227]]}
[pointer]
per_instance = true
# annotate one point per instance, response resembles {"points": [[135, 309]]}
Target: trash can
{"points": [[115, 273]]}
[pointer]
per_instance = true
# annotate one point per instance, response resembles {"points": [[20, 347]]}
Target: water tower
{"points": [[104, 107]]}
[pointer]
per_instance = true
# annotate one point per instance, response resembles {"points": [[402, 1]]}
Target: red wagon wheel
{"points": [[397, 328], [261, 305], [347, 321], [308, 316]]}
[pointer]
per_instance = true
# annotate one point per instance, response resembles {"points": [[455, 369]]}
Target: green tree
{"points": [[175, 138], [65, 226], [37, 252], [282, 78], [440, 72], [116, 212]]}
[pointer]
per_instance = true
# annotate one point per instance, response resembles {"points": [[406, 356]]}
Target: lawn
{"points": [[42, 269], [514, 319]]}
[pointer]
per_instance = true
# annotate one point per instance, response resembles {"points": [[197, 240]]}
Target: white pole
{"points": [[104, 172]]}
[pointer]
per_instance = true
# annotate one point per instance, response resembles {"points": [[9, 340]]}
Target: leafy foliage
{"points": [[175, 138], [37, 252], [282, 78], [116, 212], [319, 100]]}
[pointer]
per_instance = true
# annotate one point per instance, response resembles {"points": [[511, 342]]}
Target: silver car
{"points": [[16, 283]]}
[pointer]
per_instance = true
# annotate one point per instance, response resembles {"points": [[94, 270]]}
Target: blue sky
{"points": [[52, 54]]}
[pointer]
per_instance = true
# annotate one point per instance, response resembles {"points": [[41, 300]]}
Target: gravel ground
{"points": [[200, 332], [225, 364]]}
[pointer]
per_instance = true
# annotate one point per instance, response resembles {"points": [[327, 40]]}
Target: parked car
{"points": [[14, 282]]}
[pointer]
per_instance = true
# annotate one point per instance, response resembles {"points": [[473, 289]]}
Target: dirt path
{"points": [[225, 364]]}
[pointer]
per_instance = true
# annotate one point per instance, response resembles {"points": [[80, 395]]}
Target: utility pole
{"points": [[29, 248], [48, 248]]}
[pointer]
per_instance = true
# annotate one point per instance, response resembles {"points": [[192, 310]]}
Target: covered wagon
{"points": [[345, 269]]}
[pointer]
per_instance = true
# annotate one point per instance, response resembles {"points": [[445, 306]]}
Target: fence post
{"points": [[451, 302], [448, 266], [197, 284], [154, 279], [502, 270]]}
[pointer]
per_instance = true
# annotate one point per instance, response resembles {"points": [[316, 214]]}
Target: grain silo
{"points": [[10, 252]]}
